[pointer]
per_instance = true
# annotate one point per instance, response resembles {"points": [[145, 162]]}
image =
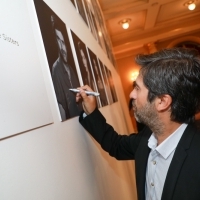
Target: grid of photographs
{"points": [[81, 10], [64, 65], [90, 11]]}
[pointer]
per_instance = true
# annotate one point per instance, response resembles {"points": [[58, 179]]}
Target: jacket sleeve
{"points": [[122, 147]]}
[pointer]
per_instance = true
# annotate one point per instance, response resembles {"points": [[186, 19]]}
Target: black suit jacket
{"points": [[183, 177]]}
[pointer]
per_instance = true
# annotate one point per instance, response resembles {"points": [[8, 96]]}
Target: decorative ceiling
{"points": [[152, 21]]}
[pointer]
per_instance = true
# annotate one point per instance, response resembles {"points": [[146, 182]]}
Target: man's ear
{"points": [[163, 102]]}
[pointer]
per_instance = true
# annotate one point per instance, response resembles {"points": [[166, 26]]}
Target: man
{"points": [[64, 78], [167, 151]]}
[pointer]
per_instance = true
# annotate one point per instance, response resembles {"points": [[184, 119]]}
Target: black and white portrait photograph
{"points": [[60, 59], [91, 22], [106, 82], [81, 10], [99, 23], [98, 78], [104, 39], [83, 61], [112, 86]]}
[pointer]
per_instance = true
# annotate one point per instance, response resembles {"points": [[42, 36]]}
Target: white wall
{"points": [[60, 160]]}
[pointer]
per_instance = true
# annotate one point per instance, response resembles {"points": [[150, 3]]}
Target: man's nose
{"points": [[131, 94]]}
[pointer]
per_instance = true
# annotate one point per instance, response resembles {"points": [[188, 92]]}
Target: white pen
{"points": [[87, 92]]}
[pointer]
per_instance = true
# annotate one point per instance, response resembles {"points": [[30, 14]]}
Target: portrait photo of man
{"points": [[112, 86], [83, 61], [106, 82], [81, 10], [60, 59], [98, 78]]}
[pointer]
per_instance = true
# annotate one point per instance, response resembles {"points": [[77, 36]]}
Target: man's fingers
{"points": [[83, 94], [88, 101], [85, 87], [78, 97]]}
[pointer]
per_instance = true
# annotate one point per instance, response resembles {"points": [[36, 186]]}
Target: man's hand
{"points": [[88, 101]]}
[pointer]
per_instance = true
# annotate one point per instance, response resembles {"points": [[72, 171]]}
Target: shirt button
{"points": [[152, 184], [154, 162]]}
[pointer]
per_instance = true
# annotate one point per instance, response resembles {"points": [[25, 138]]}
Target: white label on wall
{"points": [[24, 104]]}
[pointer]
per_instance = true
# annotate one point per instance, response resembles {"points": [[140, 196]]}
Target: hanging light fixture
{"points": [[191, 4], [125, 23]]}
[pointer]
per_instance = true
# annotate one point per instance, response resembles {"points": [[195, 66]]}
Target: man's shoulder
{"points": [[191, 137]]}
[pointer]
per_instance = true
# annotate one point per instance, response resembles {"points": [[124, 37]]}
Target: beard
{"points": [[148, 116]]}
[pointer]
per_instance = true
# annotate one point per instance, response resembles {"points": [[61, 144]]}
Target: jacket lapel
{"points": [[177, 163], [141, 165]]}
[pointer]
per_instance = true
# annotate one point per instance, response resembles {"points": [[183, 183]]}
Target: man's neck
{"points": [[168, 129]]}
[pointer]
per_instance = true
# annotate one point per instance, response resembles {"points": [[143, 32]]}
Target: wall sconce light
{"points": [[100, 34], [134, 75], [191, 4], [125, 23]]}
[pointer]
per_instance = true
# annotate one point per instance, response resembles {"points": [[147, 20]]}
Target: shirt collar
{"points": [[169, 144]]}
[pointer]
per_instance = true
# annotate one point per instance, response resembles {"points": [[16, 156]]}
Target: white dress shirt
{"points": [[159, 160]]}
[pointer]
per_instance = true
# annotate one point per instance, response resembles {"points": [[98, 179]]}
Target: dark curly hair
{"points": [[175, 72]]}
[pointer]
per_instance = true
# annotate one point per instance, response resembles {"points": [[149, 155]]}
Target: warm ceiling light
{"points": [[125, 23], [191, 4]]}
